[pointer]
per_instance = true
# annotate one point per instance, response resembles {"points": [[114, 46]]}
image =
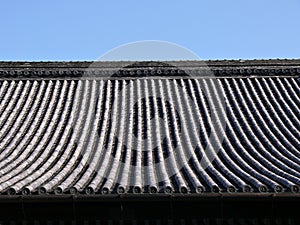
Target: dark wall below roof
{"points": [[263, 211]]}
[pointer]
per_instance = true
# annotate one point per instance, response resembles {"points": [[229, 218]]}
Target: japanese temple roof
{"points": [[197, 128]]}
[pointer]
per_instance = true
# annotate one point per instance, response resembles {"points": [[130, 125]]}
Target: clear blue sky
{"points": [[213, 29]]}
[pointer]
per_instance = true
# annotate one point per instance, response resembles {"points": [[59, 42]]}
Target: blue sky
{"points": [[213, 29]]}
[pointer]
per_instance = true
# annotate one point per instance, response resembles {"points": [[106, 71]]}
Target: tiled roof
{"points": [[150, 128]]}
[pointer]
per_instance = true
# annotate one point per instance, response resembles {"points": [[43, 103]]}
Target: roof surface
{"points": [[150, 127]]}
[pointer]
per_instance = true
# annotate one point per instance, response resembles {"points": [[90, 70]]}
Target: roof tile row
{"points": [[175, 135]]}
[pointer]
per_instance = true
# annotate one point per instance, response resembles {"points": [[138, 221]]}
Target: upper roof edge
{"points": [[118, 64]]}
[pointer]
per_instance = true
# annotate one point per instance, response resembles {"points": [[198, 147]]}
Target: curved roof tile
{"points": [[150, 135]]}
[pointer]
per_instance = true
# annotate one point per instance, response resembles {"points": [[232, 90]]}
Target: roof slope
{"points": [[237, 131]]}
